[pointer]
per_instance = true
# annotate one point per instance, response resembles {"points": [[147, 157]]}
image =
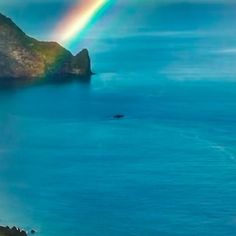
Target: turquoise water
{"points": [[168, 168]]}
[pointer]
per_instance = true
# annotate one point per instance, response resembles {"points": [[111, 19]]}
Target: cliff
{"points": [[6, 231], [23, 57]]}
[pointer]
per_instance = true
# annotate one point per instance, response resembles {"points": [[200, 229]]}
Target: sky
{"points": [[39, 18], [207, 25]]}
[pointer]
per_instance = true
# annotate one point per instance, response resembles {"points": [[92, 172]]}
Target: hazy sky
{"points": [[127, 17], [208, 24], [136, 1]]}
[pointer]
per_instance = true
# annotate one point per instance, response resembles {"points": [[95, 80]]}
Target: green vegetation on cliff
{"points": [[24, 57]]}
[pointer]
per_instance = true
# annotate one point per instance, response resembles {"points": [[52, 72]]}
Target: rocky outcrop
{"points": [[6, 231], [119, 116], [23, 57]]}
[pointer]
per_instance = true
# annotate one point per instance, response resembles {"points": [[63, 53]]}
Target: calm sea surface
{"points": [[168, 168]]}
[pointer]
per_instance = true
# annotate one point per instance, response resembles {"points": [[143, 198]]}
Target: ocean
{"points": [[168, 168]]}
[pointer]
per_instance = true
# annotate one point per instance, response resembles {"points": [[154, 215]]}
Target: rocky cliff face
{"points": [[6, 231], [24, 57]]}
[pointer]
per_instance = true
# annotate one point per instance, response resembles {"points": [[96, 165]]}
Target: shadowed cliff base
{"points": [[26, 60], [12, 83], [7, 231]]}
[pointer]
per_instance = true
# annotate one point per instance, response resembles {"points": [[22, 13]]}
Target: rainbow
{"points": [[80, 18]]}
